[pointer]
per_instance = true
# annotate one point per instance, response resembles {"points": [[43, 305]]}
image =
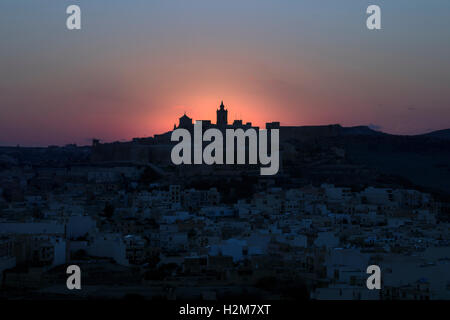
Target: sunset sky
{"points": [[136, 66]]}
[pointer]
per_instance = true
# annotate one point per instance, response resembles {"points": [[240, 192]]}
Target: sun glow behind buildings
{"points": [[134, 70]]}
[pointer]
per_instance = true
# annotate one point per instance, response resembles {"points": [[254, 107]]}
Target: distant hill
{"points": [[361, 130], [441, 134], [423, 159]]}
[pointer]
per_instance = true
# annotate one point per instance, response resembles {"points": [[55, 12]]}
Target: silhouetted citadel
{"points": [[351, 155], [139, 226], [221, 122], [157, 149]]}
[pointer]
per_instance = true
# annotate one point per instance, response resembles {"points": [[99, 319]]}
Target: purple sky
{"points": [[136, 66]]}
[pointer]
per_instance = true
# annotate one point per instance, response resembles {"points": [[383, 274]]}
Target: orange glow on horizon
{"points": [[204, 108]]}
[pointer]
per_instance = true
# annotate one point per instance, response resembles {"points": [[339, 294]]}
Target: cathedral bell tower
{"points": [[222, 116]]}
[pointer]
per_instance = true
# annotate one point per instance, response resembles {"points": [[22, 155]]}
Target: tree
{"points": [[108, 211], [149, 175], [37, 213]]}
